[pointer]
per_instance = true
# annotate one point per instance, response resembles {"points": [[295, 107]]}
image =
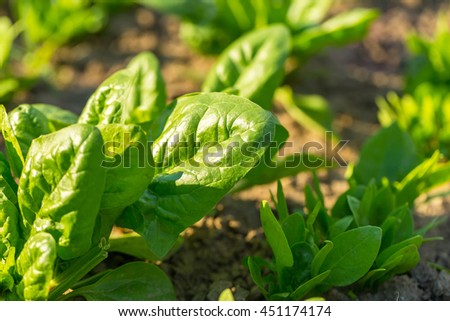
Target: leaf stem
{"points": [[80, 268]]}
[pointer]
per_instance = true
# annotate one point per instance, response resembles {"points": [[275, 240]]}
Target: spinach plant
{"points": [[44, 26], [209, 26], [424, 108], [367, 237], [129, 159]]}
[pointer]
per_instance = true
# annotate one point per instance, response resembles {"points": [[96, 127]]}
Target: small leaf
{"points": [[14, 152], [135, 281], [256, 274], [281, 203], [354, 205], [352, 256], [294, 228], [27, 124], [311, 217], [383, 256], [320, 257], [275, 237]]}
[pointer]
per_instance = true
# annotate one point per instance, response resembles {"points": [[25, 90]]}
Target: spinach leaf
{"points": [[61, 186], [27, 124], [253, 65], [8, 33], [135, 95], [352, 255], [210, 141], [135, 281], [8, 185], [304, 13], [276, 238], [194, 10], [13, 149], [339, 30], [294, 228], [36, 264]]}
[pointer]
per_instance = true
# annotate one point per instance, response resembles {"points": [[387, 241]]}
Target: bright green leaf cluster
{"points": [[424, 108], [128, 158], [365, 239], [44, 26], [209, 26]]}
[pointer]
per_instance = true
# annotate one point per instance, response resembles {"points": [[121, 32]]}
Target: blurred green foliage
{"points": [[209, 26], [36, 29], [424, 108]]}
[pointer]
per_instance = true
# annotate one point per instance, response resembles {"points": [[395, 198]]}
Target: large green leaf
{"points": [[353, 254], [135, 281], [61, 187], [135, 95], [36, 265], [210, 141], [253, 65]]}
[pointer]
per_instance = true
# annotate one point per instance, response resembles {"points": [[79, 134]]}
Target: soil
{"points": [[211, 257]]}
